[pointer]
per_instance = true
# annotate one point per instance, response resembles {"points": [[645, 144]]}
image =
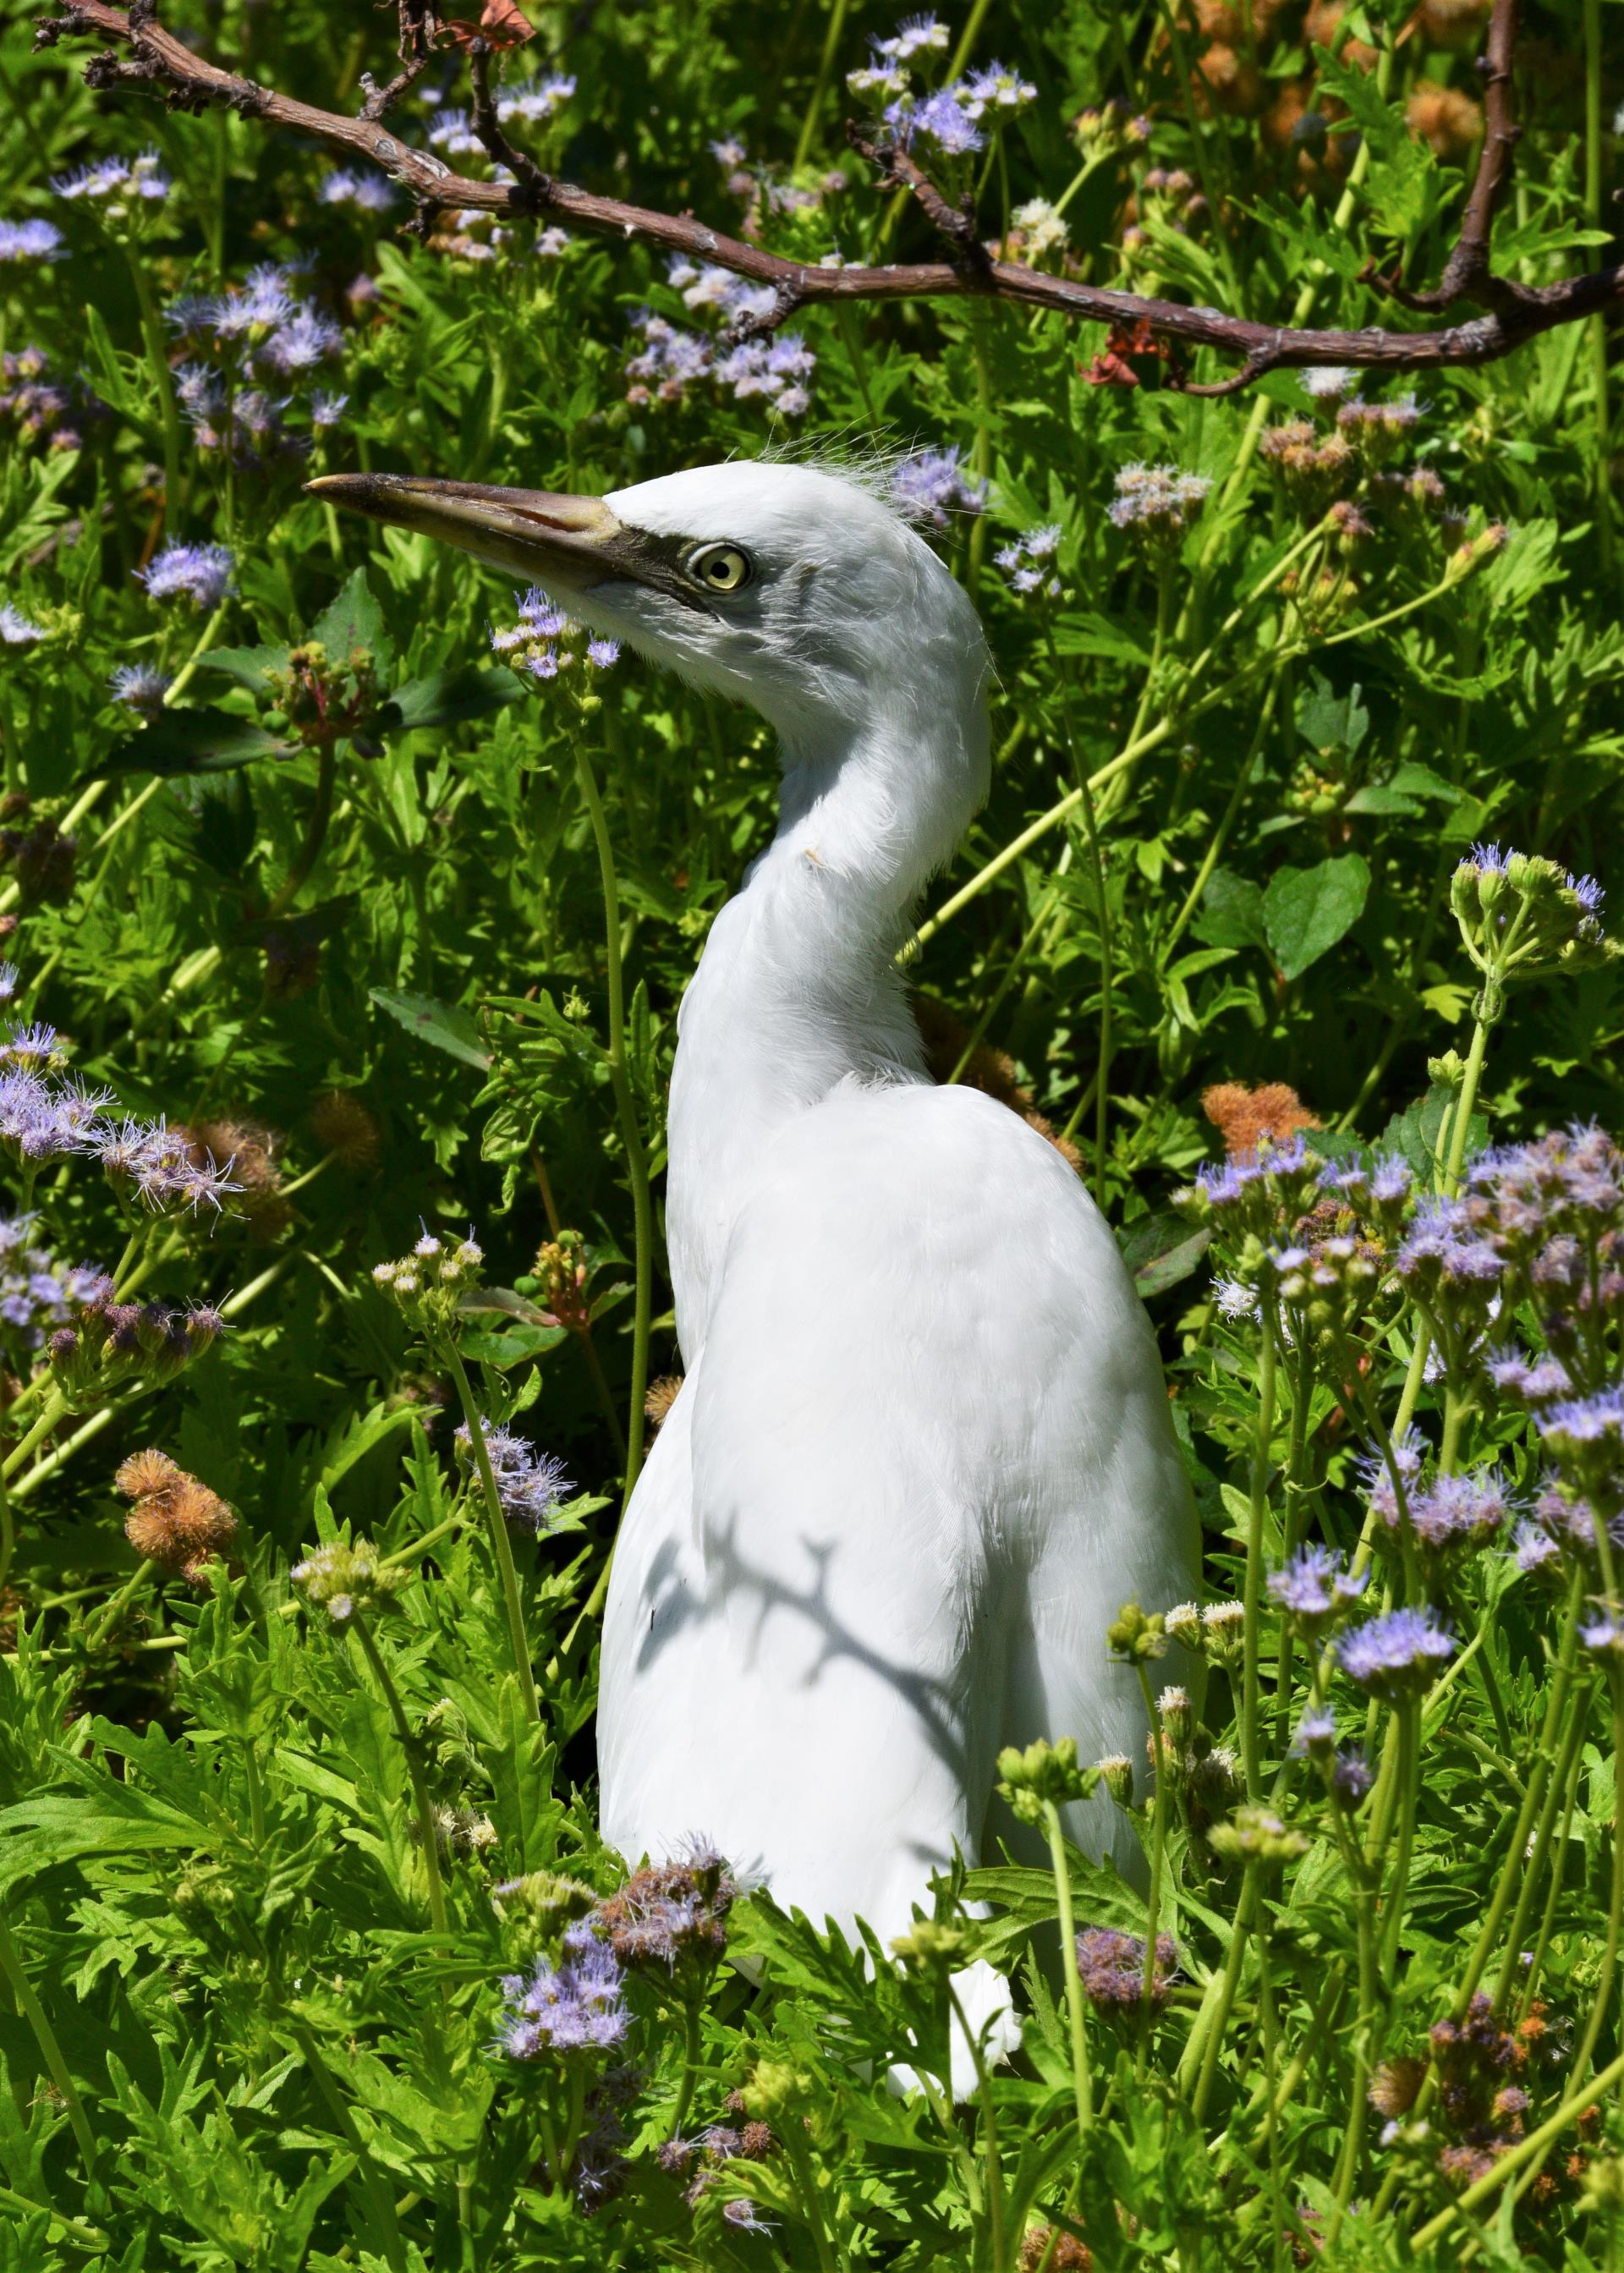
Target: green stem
{"points": [[50, 2050], [1598, 328], [427, 1836], [1158, 1850], [121, 1601], [1602, 1996], [1207, 2038], [1253, 1596], [794, 2137], [631, 1133], [315, 828], [158, 356], [1408, 1800], [989, 2124], [1573, 1771], [689, 2064], [501, 1545], [1563, 1793], [372, 2178], [825, 64], [1082, 2084]]}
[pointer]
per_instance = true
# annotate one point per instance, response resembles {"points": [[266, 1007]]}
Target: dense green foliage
{"points": [[330, 899]]}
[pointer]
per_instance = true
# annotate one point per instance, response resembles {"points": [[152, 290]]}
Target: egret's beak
{"points": [[565, 543]]}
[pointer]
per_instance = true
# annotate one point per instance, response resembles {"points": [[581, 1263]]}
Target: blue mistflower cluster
{"points": [[29, 240], [251, 348], [543, 642], [37, 1293], [532, 1486], [200, 573], [931, 484], [1397, 1655], [575, 2008], [949, 117], [776, 370]]}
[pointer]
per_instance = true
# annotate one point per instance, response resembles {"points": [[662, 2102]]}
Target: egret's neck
{"points": [[798, 991]]}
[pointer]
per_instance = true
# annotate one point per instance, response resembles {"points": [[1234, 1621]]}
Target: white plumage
{"points": [[922, 1453]]}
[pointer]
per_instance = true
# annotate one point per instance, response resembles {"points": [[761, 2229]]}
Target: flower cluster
{"points": [[111, 1341], [362, 187], [930, 485], [176, 1522], [544, 640], [254, 347], [428, 1285], [531, 1485], [1316, 1591], [141, 687], [1481, 2069], [700, 2161], [200, 573], [344, 1577], [44, 408], [122, 193], [1257, 1834], [1395, 1656], [1111, 1965], [45, 1115], [1157, 503], [949, 117], [671, 1915], [1028, 562], [776, 369], [1520, 913], [29, 240], [574, 2010], [37, 1293]]}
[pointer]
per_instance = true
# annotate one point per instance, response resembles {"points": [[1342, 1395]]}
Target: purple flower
{"points": [[1583, 1420], [536, 102], [575, 2009], [743, 2215], [995, 89], [1408, 1451], [1395, 1655], [1489, 859], [367, 190], [1532, 1382], [1446, 1247], [16, 630], [1316, 1732], [945, 121], [604, 653], [327, 409], [932, 483], [142, 176], [1157, 496], [1532, 1548], [301, 341], [198, 573], [29, 240], [531, 1486], [10, 978], [150, 1161], [915, 36], [1112, 1967], [1604, 1637], [1313, 1588], [264, 300], [1459, 1511], [1351, 1777]]}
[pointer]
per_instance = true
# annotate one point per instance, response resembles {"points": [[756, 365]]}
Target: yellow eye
{"points": [[719, 567]]}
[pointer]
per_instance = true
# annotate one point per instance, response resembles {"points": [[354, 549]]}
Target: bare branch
{"points": [[420, 27], [1514, 313], [1467, 275]]}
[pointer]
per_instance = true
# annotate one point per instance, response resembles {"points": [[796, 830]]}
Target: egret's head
{"points": [[795, 591]]}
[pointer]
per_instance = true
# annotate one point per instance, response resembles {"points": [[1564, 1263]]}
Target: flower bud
{"points": [[1116, 1772]]}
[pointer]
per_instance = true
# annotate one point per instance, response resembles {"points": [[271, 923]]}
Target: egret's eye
{"points": [[719, 567]]}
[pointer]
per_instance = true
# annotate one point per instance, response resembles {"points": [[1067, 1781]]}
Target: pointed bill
{"points": [[564, 543]]}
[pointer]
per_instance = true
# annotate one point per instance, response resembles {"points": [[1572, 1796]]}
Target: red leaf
{"points": [[502, 24]]}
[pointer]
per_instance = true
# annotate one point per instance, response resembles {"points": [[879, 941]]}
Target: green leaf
{"points": [[445, 1026], [193, 742], [354, 620], [1230, 913], [248, 666], [1330, 721], [1306, 910], [1161, 1250], [447, 696]]}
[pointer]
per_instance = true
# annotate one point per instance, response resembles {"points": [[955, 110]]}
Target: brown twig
{"points": [[1467, 275], [420, 27], [1513, 314]]}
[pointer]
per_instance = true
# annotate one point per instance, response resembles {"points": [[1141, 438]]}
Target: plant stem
{"points": [[372, 2178], [1602, 1997], [1252, 1597], [631, 1133], [1206, 2037], [989, 2123], [825, 64], [127, 1594], [315, 828], [50, 2050], [1158, 1849], [158, 356], [1082, 2084], [1408, 1800], [501, 1545], [426, 1834]]}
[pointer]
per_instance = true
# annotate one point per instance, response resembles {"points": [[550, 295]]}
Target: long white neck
{"points": [[797, 990]]}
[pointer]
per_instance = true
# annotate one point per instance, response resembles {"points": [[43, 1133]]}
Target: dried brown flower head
{"points": [[250, 1151], [345, 1127], [1066, 2253], [1320, 30], [144, 1473], [176, 1522], [1451, 23], [1445, 118], [661, 1398], [1244, 1116]]}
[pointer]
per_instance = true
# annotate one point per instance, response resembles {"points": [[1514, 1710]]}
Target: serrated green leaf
{"points": [[1306, 910], [445, 1026]]}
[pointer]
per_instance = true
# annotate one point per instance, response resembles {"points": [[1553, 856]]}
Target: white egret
{"points": [[922, 1453]]}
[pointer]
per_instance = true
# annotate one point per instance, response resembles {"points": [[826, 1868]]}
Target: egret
{"points": [[921, 1452]]}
